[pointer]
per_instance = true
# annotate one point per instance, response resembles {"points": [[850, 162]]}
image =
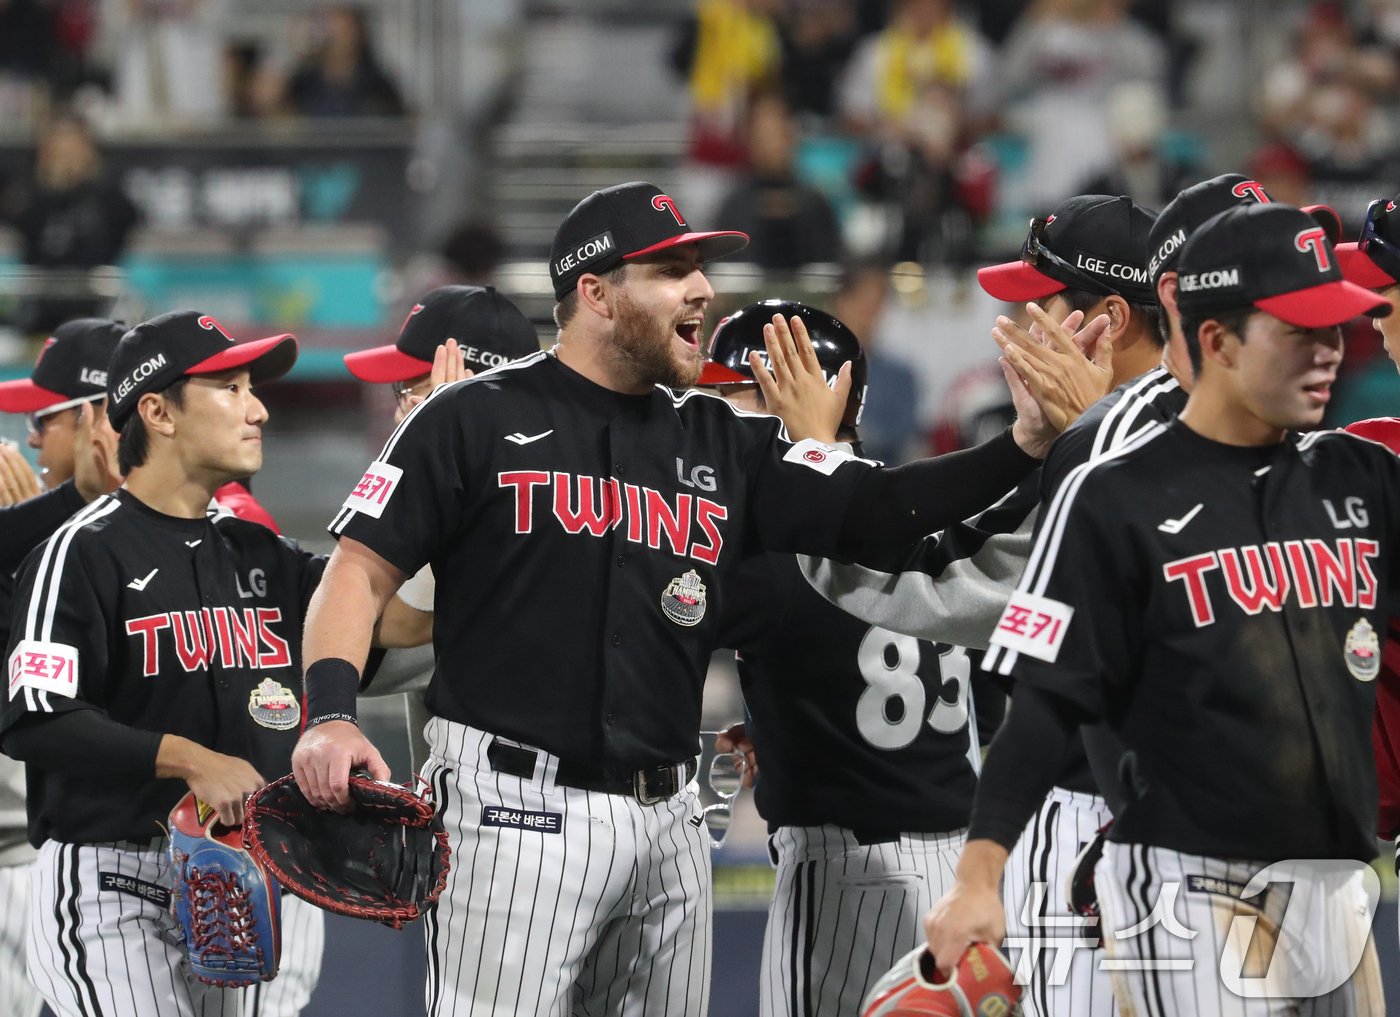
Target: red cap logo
{"points": [[47, 343], [213, 326], [663, 202], [1250, 189], [1312, 240], [1049, 219], [409, 316]]}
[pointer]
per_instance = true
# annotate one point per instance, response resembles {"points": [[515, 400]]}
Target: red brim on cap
{"points": [[23, 396], [1324, 306], [1326, 216], [1017, 281], [266, 359], [712, 245], [1358, 268], [717, 374], [384, 364]]}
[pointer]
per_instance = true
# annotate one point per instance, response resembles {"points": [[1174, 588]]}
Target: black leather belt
{"points": [[647, 786]]}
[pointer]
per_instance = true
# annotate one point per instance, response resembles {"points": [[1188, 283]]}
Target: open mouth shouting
{"points": [[689, 333]]}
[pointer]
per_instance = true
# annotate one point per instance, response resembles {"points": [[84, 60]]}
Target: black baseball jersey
{"points": [[582, 541], [181, 626], [1220, 607], [853, 724], [1154, 397], [24, 527]]}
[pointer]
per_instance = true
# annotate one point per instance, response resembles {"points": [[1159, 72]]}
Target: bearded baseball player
{"points": [[154, 651], [64, 399], [868, 756], [1197, 591], [579, 490]]}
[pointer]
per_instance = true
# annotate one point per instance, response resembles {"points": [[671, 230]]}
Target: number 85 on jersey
{"points": [[890, 712]]}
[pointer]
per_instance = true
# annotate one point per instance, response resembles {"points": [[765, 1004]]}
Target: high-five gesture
{"points": [[796, 389], [1064, 367]]}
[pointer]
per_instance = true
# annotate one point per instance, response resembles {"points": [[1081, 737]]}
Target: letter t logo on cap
{"points": [[1312, 240], [663, 201]]}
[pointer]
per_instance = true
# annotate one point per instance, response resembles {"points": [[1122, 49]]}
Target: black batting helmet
{"points": [[742, 332]]}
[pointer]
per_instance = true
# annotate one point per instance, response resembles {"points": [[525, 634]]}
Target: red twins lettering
{"points": [[592, 506], [224, 636], [1312, 240], [1255, 577]]}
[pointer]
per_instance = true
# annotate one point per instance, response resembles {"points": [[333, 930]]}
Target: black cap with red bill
{"points": [[156, 353], [1374, 260], [1091, 242], [71, 369], [1275, 257], [622, 222]]}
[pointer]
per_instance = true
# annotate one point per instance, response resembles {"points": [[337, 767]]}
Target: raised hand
{"points": [[795, 388], [18, 482], [1066, 369]]}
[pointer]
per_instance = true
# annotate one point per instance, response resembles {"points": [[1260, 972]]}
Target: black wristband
{"points": [[331, 684]]}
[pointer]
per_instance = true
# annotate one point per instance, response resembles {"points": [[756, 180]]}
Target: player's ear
{"points": [[1118, 315], [155, 411], [593, 295], [1166, 292], [1218, 344]]}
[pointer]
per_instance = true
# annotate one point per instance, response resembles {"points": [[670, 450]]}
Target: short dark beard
{"points": [[642, 348]]}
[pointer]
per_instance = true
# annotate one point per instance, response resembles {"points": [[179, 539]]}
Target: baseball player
{"points": [[154, 650], [63, 397], [869, 759], [448, 335], [579, 485], [1197, 590], [1374, 262]]}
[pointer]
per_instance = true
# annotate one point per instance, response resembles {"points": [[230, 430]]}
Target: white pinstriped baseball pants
{"points": [[1059, 830], [18, 997], [843, 913], [610, 915], [104, 953], [1129, 880]]}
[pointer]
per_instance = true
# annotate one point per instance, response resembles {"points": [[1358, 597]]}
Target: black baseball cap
{"points": [[1374, 260], [1275, 257], [72, 368], [1186, 212], [156, 353], [741, 333], [626, 221], [1093, 242], [490, 330]]}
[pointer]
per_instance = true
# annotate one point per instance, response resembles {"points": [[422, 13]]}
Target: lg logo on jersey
{"points": [[1356, 514], [702, 477], [1257, 578], [602, 505], [201, 636]]}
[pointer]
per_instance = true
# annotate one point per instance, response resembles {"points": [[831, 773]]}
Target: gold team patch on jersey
{"points": [[1363, 651], [684, 599], [275, 706]]}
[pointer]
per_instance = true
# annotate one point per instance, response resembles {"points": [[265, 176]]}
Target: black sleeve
{"points": [[758, 600], [901, 504], [84, 742], [1017, 774], [25, 526]]}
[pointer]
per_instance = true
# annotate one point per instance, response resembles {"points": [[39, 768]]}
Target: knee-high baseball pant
{"points": [[1044, 857], [1170, 966], [102, 941], [561, 901], [843, 912], [18, 997]]}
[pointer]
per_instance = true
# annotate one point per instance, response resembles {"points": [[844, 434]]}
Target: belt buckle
{"points": [[643, 792]]}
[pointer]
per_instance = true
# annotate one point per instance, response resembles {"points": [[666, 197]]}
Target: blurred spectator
{"points": [[1137, 119], [788, 223], [169, 60], [473, 252], [1061, 65], [727, 51], [917, 90], [817, 38], [889, 422], [1283, 173], [342, 78], [70, 216]]}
